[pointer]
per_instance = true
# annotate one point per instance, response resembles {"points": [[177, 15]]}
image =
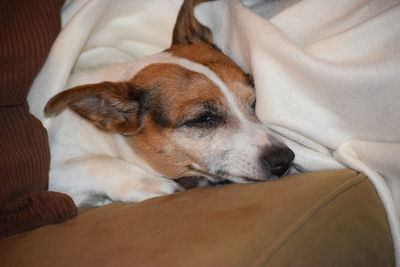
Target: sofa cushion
{"points": [[331, 218], [27, 31]]}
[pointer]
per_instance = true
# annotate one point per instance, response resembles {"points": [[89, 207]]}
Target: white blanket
{"points": [[327, 72]]}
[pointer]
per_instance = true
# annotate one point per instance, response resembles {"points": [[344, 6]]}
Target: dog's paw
{"points": [[145, 188]]}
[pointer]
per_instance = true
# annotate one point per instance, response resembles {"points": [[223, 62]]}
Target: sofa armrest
{"points": [[331, 218]]}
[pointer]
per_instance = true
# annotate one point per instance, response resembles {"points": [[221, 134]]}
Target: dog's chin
{"points": [[245, 178], [259, 177]]}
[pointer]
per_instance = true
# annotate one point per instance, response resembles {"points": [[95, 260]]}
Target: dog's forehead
{"points": [[212, 58], [178, 91], [175, 84], [181, 81]]}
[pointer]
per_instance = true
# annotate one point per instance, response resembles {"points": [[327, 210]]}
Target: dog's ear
{"points": [[188, 29], [111, 106]]}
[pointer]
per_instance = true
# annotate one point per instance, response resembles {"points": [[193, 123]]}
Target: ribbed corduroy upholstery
{"points": [[27, 31]]}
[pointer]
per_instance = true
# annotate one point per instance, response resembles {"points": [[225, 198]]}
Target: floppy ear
{"points": [[188, 29], [110, 106]]}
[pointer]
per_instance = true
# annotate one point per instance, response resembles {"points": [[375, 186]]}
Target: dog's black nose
{"points": [[279, 160]]}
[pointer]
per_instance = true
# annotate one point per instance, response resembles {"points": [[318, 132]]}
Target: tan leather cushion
{"points": [[331, 218]]}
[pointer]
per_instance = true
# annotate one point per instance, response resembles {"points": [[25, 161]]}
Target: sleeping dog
{"points": [[185, 112]]}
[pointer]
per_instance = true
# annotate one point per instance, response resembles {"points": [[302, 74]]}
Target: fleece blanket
{"points": [[327, 73]]}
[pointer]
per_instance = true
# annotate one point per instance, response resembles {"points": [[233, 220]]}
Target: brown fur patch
{"points": [[179, 94], [187, 29], [110, 106], [176, 91], [194, 41], [225, 68]]}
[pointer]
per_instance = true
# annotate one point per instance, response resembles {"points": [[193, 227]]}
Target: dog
{"points": [[186, 112]]}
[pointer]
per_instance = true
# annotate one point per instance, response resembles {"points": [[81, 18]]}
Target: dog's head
{"points": [[189, 113]]}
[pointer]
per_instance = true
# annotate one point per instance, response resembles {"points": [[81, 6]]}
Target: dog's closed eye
{"points": [[206, 115], [205, 120]]}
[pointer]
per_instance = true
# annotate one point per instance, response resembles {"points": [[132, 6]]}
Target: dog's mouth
{"points": [[203, 178], [221, 176]]}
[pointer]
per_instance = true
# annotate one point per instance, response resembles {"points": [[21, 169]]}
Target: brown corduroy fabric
{"points": [[27, 31]]}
